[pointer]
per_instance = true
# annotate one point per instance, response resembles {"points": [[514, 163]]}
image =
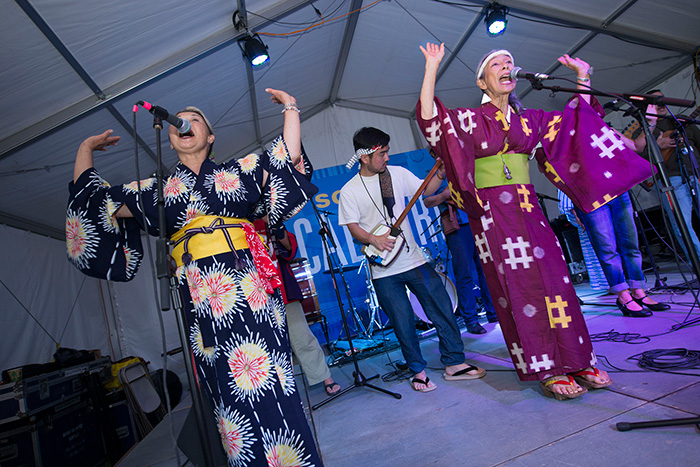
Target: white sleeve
{"points": [[348, 211], [411, 182]]}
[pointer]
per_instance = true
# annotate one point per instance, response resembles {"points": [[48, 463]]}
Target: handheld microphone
{"points": [[518, 72], [182, 125]]}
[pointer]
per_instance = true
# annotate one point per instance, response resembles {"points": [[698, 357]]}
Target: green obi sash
{"points": [[494, 170]]}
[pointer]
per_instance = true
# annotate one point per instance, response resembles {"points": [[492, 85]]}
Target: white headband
{"points": [[485, 61], [359, 153]]}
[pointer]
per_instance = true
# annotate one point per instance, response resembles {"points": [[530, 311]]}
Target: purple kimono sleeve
{"points": [[585, 158], [454, 145]]}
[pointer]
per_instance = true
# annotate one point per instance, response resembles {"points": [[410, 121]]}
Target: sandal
{"points": [[651, 306], [464, 374], [427, 387], [330, 386], [582, 380], [569, 381]]}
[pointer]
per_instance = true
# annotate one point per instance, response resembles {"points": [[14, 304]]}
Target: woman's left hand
{"points": [[576, 64], [280, 97]]}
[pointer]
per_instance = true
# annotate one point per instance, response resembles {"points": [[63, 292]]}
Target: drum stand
{"points": [[359, 378], [372, 302]]}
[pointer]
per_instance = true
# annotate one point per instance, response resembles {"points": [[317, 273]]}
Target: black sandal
{"points": [[651, 306], [632, 313], [329, 386]]}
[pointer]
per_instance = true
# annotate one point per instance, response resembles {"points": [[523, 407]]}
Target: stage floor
{"points": [[499, 420]]}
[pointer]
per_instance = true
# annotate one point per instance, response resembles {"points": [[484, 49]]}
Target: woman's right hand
{"points": [[101, 141], [433, 53], [83, 160]]}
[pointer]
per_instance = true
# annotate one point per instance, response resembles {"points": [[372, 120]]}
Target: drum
{"points": [[451, 292], [302, 273]]}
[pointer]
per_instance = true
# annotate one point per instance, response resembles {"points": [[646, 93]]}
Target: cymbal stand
{"points": [[359, 379], [334, 266], [372, 302]]}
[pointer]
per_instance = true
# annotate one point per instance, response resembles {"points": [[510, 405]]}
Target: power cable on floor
{"points": [[668, 359]]}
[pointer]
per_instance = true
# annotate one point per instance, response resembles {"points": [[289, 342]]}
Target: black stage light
{"points": [[254, 50], [496, 20]]}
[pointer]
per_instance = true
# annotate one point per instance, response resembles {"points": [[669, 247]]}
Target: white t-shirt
{"points": [[361, 202]]}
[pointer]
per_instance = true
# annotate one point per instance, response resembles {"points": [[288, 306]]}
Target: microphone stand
{"points": [[653, 150], [168, 287], [359, 379]]}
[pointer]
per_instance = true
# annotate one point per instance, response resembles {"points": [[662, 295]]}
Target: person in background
{"points": [[596, 276], [304, 344], [377, 195], [460, 243], [678, 165]]}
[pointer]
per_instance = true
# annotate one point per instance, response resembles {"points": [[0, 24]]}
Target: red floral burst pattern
{"points": [[248, 163], [221, 292], [174, 188], [236, 435], [195, 284], [226, 182], [278, 153], [253, 288], [81, 239], [284, 449], [251, 367], [145, 185]]}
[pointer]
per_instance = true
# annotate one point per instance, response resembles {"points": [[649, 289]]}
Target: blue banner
{"points": [[306, 227]]}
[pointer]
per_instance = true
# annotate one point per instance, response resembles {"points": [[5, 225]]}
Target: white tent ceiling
{"points": [[73, 68]]}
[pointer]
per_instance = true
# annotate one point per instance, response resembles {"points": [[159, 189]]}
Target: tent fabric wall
{"points": [[37, 276]]}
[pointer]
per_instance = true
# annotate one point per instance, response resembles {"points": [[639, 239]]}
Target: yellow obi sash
{"points": [[494, 170], [220, 235]]}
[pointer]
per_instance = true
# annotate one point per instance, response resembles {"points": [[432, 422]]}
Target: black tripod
{"points": [[359, 379]]}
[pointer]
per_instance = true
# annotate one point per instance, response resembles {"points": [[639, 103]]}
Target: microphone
{"points": [[518, 72], [182, 125], [612, 104]]}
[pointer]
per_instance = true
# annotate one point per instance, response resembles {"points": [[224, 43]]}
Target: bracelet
{"points": [[438, 176], [583, 80], [291, 107]]}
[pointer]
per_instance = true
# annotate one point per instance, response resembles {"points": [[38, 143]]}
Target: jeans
{"points": [[614, 238], [464, 255], [685, 206], [426, 285]]}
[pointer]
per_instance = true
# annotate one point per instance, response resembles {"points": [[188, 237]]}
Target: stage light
{"points": [[254, 50], [496, 19]]}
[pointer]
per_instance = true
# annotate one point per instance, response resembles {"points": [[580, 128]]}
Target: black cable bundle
{"points": [[668, 359]]}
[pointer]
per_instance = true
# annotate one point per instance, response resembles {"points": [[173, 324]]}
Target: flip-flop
{"points": [[562, 380], [463, 374], [580, 377], [427, 387], [329, 386]]}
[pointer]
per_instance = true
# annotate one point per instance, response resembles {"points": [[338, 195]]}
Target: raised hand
{"points": [[280, 97], [433, 53], [102, 141], [576, 64]]}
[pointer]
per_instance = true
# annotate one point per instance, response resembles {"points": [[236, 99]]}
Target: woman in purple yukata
{"points": [[229, 287], [486, 151]]}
